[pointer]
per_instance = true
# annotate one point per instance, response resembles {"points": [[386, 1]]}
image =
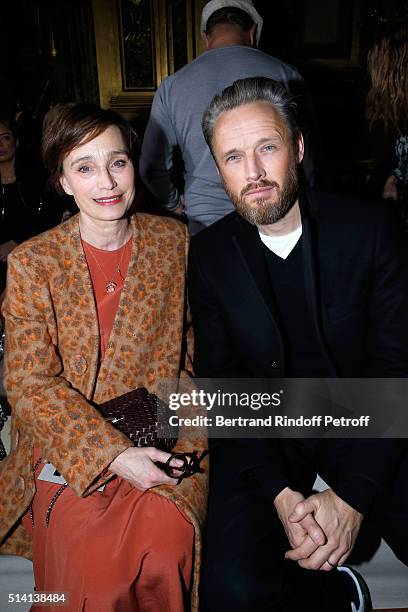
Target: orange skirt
{"points": [[118, 550]]}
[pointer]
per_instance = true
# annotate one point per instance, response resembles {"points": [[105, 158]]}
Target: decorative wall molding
{"points": [[138, 44]]}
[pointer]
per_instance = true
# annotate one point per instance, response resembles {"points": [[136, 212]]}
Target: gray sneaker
{"points": [[360, 600]]}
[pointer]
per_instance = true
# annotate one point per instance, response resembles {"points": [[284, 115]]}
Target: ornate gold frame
{"points": [[109, 58]]}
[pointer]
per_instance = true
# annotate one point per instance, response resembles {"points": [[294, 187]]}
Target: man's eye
{"points": [[269, 147], [232, 158]]}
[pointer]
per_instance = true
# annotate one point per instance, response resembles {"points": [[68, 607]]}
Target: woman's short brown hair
{"points": [[75, 124]]}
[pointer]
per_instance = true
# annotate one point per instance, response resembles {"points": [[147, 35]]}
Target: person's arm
{"points": [[374, 461], [215, 356], [71, 434], [361, 470], [187, 441], [254, 459], [156, 159]]}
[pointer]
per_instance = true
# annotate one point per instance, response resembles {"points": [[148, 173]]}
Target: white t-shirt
{"points": [[281, 245]]}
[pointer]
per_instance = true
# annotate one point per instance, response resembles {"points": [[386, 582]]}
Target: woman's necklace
{"points": [[110, 283]]}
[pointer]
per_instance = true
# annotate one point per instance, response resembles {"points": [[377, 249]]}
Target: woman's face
{"points": [[100, 176], [7, 144]]}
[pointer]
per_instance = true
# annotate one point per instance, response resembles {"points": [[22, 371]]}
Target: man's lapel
{"points": [[253, 267], [310, 260], [252, 261], [311, 274]]}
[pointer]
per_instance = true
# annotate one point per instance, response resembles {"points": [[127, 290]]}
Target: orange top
{"points": [[107, 270]]}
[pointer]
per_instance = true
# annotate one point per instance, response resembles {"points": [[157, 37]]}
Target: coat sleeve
{"points": [[70, 433], [388, 315], [215, 357], [365, 469]]}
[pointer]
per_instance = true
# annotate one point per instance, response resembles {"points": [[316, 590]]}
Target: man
{"points": [[229, 28], [296, 286]]}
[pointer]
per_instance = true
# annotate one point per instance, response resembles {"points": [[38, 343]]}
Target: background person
{"points": [[25, 207], [93, 310], [230, 31], [387, 102]]}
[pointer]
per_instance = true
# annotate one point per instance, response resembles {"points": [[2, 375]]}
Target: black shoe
{"points": [[360, 600]]}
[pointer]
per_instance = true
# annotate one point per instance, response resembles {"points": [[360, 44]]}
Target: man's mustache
{"points": [[258, 185]]}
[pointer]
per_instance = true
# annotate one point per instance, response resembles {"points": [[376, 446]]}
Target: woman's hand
{"points": [[137, 466]]}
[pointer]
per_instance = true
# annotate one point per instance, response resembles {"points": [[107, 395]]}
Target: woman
{"points": [[387, 102], [25, 208], [95, 308]]}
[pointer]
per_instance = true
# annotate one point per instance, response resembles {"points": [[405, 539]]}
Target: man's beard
{"points": [[266, 211]]}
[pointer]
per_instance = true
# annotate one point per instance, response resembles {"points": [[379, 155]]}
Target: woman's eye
{"points": [[119, 163], [84, 169]]}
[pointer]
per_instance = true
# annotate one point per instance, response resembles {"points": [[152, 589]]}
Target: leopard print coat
{"points": [[52, 369]]}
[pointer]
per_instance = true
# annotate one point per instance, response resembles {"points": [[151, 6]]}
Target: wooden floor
{"points": [[392, 610]]}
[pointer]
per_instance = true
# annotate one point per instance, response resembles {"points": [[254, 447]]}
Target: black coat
{"points": [[356, 281]]}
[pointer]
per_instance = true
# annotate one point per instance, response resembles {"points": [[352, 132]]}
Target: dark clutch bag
{"points": [[142, 417]]}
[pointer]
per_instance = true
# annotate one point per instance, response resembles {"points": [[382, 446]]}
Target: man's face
{"points": [[256, 161]]}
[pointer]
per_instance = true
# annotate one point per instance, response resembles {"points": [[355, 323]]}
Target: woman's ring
{"points": [[331, 564]]}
